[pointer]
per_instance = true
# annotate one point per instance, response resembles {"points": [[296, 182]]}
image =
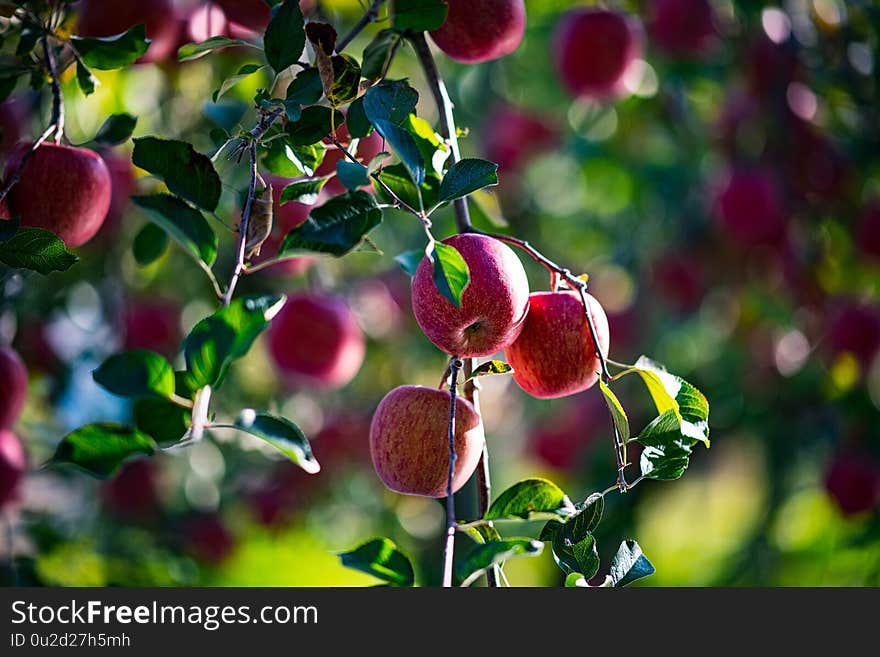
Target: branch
{"points": [[448, 552], [243, 228], [57, 99], [370, 17]]}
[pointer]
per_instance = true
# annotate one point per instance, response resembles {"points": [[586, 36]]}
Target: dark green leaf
{"points": [[381, 558], [346, 80], [84, 78], [100, 449], [356, 120], [618, 415], [314, 124], [481, 533], [531, 497], [399, 181], [306, 88], [218, 340], [108, 53], [390, 101], [282, 434], [466, 176], [244, 72], [586, 519], [491, 367], [352, 174], [164, 421], [405, 148], [419, 15], [663, 463], [116, 129], [336, 227], [192, 51], [136, 374], [409, 261], [482, 557], [186, 172], [285, 36], [434, 151], [149, 244], [377, 54], [36, 249], [451, 273], [629, 564], [576, 557], [183, 223], [303, 191]]}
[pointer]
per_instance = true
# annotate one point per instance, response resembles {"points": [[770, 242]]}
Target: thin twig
{"points": [[57, 99], [243, 229], [449, 551], [369, 17]]}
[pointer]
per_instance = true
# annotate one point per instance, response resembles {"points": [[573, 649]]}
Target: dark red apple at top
{"points": [[315, 340], [682, 27], [853, 480], [252, 14], [63, 189], [854, 328], [152, 324], [868, 231], [13, 386], [13, 465], [512, 135], [100, 18], [555, 356], [203, 22], [593, 49], [493, 305], [479, 30], [409, 441], [749, 207]]}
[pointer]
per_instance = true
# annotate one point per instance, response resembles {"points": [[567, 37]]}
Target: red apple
{"points": [[133, 493], [98, 18], [554, 356], [409, 441], [816, 168], [855, 328], [479, 30], [252, 14], [749, 207], [512, 135], [678, 277], [853, 480], [367, 148], [287, 217], [493, 305], [63, 189], [593, 49], [205, 21], [208, 538], [561, 442], [771, 66], [13, 465], [684, 28], [13, 386], [152, 324], [123, 186], [315, 340], [868, 231]]}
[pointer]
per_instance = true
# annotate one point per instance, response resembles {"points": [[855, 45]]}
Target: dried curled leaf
{"points": [[260, 223]]}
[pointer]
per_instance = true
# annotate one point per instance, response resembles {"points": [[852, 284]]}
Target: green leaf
{"points": [[84, 78], [314, 124], [466, 176], [166, 422], [192, 51], [381, 558], [346, 80], [186, 172], [618, 415], [282, 434], [183, 223], [451, 273], [432, 147], [136, 374], [303, 191], [356, 120], [409, 260], [100, 449], [36, 249], [244, 72], [285, 36], [108, 53], [377, 54], [390, 101], [419, 15], [398, 179], [481, 533], [629, 564], [336, 227], [352, 174], [491, 367], [576, 557], [663, 463], [116, 129], [227, 335], [531, 498], [149, 244], [306, 87], [405, 148], [482, 557]]}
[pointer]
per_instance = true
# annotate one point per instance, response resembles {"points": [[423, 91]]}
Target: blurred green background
{"points": [[782, 336]]}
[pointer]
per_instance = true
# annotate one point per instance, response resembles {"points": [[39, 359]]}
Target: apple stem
{"points": [[454, 366], [369, 17], [57, 98]]}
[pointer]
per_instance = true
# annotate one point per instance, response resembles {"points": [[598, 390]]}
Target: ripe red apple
{"points": [[855, 328], [63, 189], [749, 207], [593, 49], [123, 186], [868, 231], [13, 386], [409, 441], [252, 14], [512, 135], [682, 27], [554, 356], [13, 465], [315, 340], [367, 148], [98, 18], [152, 324], [208, 538], [853, 480], [479, 30], [771, 66], [493, 305], [678, 277], [133, 493], [204, 21]]}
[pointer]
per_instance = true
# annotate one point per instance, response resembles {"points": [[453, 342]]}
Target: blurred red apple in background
{"points": [[208, 538], [204, 21], [815, 167], [13, 464], [409, 441], [286, 218], [512, 135], [593, 49], [855, 328], [13, 386], [554, 356], [316, 341], [63, 189], [152, 324], [749, 207], [678, 277], [771, 67], [133, 493], [868, 231], [252, 14], [562, 442], [682, 27], [493, 305], [123, 185], [853, 481], [99, 18], [479, 30], [367, 148]]}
